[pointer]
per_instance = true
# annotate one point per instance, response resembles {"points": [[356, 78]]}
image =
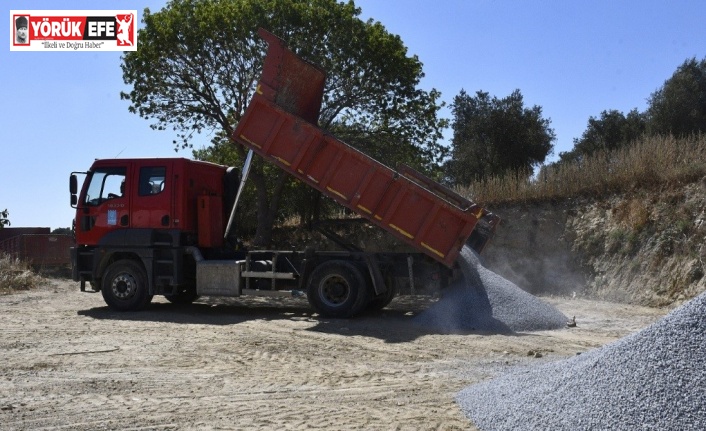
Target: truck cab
{"points": [[143, 215], [122, 195]]}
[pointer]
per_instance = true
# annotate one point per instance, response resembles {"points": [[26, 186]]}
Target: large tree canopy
{"points": [[492, 136], [199, 60], [679, 106], [611, 131]]}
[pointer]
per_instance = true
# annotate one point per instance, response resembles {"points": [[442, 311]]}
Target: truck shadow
{"points": [[200, 313], [395, 324]]}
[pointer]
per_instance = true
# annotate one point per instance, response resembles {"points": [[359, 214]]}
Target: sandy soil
{"points": [[68, 362]]}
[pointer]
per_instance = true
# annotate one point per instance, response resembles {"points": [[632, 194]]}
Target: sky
{"points": [[575, 59]]}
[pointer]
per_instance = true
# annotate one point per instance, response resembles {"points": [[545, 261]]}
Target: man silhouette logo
{"points": [[21, 34], [124, 29]]}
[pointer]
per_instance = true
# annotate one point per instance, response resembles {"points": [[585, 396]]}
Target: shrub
{"points": [[16, 275]]}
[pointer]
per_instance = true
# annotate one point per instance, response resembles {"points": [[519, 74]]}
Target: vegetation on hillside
{"points": [[645, 163], [678, 108], [616, 151]]}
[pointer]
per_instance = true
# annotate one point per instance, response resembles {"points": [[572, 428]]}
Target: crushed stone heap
{"points": [[654, 379], [486, 302]]}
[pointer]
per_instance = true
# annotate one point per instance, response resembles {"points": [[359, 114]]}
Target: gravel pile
{"points": [[486, 302], [654, 379]]}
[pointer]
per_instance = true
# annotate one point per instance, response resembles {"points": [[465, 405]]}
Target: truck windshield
{"points": [[106, 183]]}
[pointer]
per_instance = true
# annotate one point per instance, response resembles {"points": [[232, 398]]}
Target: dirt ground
{"points": [[68, 362]]}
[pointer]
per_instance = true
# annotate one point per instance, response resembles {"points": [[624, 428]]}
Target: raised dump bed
{"points": [[280, 125]]}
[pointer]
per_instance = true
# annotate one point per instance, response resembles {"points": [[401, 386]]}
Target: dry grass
{"points": [[652, 161], [16, 275]]}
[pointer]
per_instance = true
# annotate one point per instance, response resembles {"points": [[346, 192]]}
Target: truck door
{"points": [[106, 204], [152, 201]]}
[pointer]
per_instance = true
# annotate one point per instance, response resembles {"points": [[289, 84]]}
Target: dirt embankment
{"points": [[643, 247]]}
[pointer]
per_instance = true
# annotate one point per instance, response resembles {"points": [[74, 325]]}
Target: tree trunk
{"points": [[267, 203]]}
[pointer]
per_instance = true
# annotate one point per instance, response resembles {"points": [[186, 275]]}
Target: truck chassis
{"points": [[336, 283]]}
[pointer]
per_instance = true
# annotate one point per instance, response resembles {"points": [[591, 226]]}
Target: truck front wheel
{"points": [[337, 289], [125, 286]]}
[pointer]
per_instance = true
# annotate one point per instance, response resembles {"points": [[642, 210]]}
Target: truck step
{"points": [[269, 274], [280, 293]]}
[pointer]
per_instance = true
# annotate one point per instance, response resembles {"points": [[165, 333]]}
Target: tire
{"points": [[337, 289], [185, 296], [379, 302], [125, 286]]}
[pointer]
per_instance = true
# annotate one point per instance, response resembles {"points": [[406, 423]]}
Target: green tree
{"points": [[199, 62], [4, 220], [679, 106], [611, 131], [492, 136]]}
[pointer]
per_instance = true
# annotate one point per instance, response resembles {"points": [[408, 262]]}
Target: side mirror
{"points": [[73, 189], [73, 184]]}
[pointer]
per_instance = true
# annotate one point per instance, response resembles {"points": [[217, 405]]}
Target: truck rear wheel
{"points": [[125, 286], [337, 289], [184, 296], [382, 301]]}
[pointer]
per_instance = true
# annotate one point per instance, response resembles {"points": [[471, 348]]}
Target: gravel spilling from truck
{"points": [[486, 302], [652, 379]]}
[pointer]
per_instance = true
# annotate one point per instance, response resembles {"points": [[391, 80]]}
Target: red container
{"points": [[39, 249], [9, 232]]}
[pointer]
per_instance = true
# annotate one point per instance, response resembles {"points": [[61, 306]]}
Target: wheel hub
{"points": [[124, 286], [334, 290]]}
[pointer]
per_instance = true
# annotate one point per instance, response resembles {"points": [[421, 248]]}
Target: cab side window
{"points": [[152, 180]]}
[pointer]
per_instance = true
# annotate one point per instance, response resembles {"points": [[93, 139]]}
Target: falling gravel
{"points": [[654, 379], [486, 302]]}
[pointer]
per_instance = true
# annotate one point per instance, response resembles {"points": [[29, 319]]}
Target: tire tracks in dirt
{"points": [[71, 363]]}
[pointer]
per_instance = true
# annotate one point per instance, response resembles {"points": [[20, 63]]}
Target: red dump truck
{"points": [[148, 227]]}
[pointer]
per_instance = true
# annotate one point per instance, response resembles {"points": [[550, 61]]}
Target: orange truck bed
{"points": [[280, 125]]}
